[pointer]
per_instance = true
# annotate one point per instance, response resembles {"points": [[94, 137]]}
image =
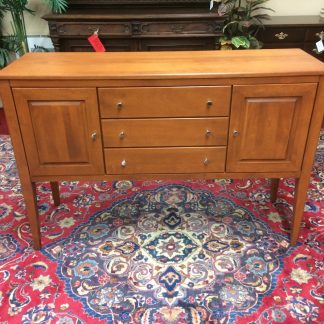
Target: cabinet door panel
{"points": [[269, 127], [57, 125]]}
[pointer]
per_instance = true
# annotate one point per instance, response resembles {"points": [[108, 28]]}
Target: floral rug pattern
{"points": [[192, 251]]}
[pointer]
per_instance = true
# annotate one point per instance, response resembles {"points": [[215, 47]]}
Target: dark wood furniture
{"points": [[207, 114], [156, 25], [137, 25], [294, 32]]}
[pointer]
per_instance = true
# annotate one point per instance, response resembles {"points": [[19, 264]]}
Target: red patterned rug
{"points": [[193, 251]]}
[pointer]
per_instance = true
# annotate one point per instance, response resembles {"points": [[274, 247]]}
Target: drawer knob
{"points": [[123, 163], [281, 35], [209, 103], [119, 105], [206, 161], [122, 135], [208, 133], [94, 136], [236, 133]]}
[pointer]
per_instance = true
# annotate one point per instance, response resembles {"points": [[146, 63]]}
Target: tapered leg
{"points": [[301, 189], [274, 189], [29, 192], [56, 193]]}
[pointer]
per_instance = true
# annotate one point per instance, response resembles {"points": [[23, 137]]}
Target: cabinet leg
{"points": [[301, 188], [32, 212], [274, 189], [55, 193]]}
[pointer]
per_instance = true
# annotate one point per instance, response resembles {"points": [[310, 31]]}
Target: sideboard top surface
{"points": [[155, 65], [94, 14]]}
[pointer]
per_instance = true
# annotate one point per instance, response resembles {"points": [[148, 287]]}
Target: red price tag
{"points": [[96, 43]]}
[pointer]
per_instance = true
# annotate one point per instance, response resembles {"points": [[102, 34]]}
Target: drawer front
{"points": [[110, 44], [165, 160], [164, 101], [191, 28], [165, 132], [88, 28], [311, 49], [190, 43], [314, 34], [282, 35], [283, 45]]}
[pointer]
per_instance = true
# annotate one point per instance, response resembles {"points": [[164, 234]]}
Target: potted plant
{"points": [[244, 20], [16, 9]]}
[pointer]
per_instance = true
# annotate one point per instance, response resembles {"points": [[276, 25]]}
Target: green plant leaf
{"points": [[58, 6], [240, 41]]}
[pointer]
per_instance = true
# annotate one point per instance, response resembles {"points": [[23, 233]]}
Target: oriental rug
{"points": [[192, 251]]}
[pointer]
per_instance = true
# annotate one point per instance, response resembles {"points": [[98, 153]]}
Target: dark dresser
{"points": [[294, 31], [137, 25], [160, 25]]}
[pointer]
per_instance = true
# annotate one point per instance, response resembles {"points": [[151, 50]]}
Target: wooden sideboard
{"points": [[205, 114], [294, 32]]}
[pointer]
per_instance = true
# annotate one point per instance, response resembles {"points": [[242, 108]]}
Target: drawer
{"points": [[193, 43], [165, 160], [282, 34], [88, 28], [314, 34], [181, 27], [164, 102], [311, 49], [110, 44], [165, 132], [283, 45]]}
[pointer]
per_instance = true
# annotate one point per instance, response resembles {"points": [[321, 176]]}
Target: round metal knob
{"points": [[235, 133], [208, 132], [122, 135], [119, 105], [206, 161], [123, 163], [209, 103], [94, 136]]}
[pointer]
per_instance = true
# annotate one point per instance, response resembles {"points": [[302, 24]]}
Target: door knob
{"points": [[236, 133], [94, 136], [123, 163]]}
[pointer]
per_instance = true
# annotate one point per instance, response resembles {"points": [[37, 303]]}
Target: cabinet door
{"points": [[60, 130], [269, 126]]}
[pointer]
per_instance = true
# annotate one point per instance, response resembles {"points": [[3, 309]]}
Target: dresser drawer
{"points": [[282, 34], [88, 28], [165, 160], [311, 49], [164, 102], [165, 132], [314, 34], [181, 27]]}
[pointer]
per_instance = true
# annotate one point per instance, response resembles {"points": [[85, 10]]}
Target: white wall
{"points": [[296, 7], [34, 24], [37, 26]]}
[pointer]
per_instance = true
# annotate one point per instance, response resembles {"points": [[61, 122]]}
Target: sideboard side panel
{"points": [[28, 187]]}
